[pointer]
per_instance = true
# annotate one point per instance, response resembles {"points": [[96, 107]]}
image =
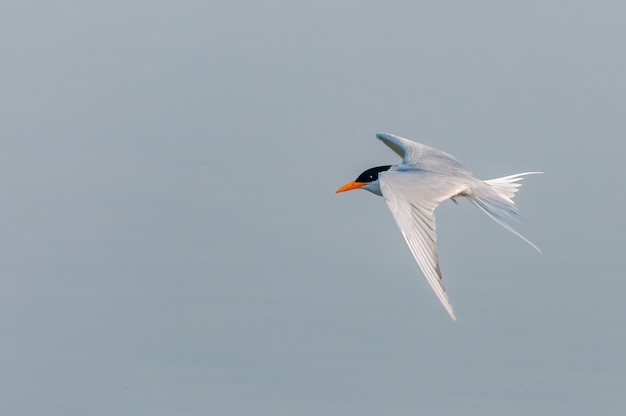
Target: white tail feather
{"points": [[496, 200]]}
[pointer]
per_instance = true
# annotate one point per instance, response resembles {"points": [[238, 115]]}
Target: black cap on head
{"points": [[371, 175]]}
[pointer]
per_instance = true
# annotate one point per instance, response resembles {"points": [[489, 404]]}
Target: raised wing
{"points": [[412, 198], [416, 153]]}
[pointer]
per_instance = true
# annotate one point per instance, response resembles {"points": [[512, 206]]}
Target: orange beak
{"points": [[350, 186]]}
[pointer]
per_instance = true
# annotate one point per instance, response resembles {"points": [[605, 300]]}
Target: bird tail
{"points": [[495, 198]]}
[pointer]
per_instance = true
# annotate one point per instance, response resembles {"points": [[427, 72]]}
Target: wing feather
{"points": [[412, 152], [412, 198]]}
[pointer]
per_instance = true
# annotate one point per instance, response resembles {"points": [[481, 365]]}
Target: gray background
{"points": [[170, 240]]}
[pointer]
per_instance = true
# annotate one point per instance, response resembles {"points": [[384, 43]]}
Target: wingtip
{"points": [[382, 135], [446, 304]]}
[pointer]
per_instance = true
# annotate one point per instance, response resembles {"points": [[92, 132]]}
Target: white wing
{"points": [[412, 197], [411, 151]]}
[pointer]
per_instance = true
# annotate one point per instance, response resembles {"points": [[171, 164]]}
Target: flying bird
{"points": [[414, 188]]}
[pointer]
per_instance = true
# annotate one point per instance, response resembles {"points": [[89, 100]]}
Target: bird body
{"points": [[414, 188]]}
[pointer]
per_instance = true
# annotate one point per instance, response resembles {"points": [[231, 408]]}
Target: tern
{"points": [[414, 188]]}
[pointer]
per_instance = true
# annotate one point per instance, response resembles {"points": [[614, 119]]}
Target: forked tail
{"points": [[495, 198]]}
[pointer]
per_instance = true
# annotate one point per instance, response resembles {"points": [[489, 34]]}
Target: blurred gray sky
{"points": [[171, 243]]}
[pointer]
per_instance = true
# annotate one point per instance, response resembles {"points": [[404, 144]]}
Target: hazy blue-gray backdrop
{"points": [[171, 243]]}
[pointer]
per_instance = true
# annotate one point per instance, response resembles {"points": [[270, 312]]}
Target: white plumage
{"points": [[414, 188]]}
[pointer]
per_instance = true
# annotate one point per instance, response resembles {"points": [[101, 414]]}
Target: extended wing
{"points": [[413, 153], [412, 198]]}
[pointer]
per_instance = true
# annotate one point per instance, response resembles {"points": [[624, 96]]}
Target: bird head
{"points": [[367, 180]]}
